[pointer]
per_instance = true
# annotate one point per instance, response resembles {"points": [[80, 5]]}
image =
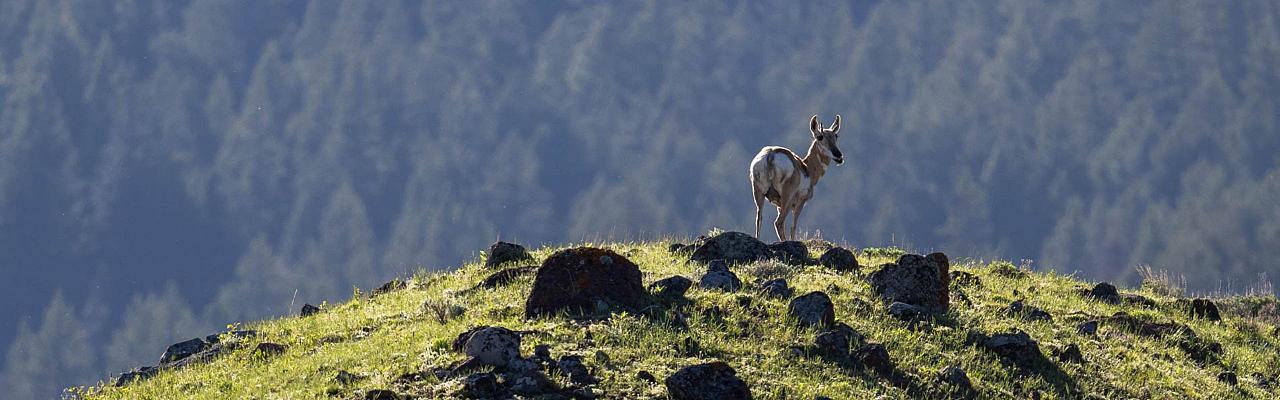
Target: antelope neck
{"points": [[814, 163]]}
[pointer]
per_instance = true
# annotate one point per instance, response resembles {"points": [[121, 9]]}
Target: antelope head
{"points": [[825, 140]]}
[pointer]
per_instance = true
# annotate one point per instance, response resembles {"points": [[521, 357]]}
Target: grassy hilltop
{"points": [[396, 340]]}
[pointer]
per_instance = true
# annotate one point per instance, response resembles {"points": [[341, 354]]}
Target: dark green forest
{"points": [[168, 167]]}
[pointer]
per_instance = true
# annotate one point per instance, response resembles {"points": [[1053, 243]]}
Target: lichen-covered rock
{"points": [[1088, 327], [813, 309], [839, 259], [269, 349], [874, 356], [572, 367], [583, 279], [711, 381], [733, 247], [956, 381], [503, 252], [480, 385], [916, 280], [720, 280], [790, 252], [907, 312], [494, 346]]}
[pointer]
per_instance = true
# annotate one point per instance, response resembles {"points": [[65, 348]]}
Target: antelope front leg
{"points": [[780, 224], [795, 219], [759, 210]]}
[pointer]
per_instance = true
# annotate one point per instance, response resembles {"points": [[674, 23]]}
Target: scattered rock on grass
{"points": [[1228, 377], [505, 276], [718, 277], [480, 385], [269, 349], [503, 252], [1027, 312], [733, 247], [813, 309], [1014, 345], [954, 378], [346, 378], [907, 312], [494, 346], [777, 288], [916, 280], [308, 310], [184, 349], [839, 259], [790, 252], [1088, 327], [572, 367], [381, 394], [1070, 354], [710, 381], [390, 286], [1105, 292], [838, 340], [581, 279], [646, 376], [874, 356], [671, 288]]}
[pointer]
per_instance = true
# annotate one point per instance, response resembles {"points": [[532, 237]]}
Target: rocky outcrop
{"points": [[188, 352], [586, 280]]}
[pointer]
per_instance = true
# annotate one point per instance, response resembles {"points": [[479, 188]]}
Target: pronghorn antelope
{"points": [[787, 180]]}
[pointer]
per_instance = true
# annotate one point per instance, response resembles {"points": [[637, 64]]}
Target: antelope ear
{"points": [[815, 127], [835, 126]]}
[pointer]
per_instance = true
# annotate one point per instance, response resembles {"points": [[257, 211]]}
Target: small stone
{"points": [[838, 340], [1088, 327], [875, 356], [717, 265], [480, 385], [494, 346], [181, 350], [790, 252], [710, 381], [542, 351], [309, 310], [646, 376], [813, 309], [777, 288], [955, 377], [503, 252], [720, 280], [1071, 354], [1105, 292], [390, 286], [963, 278], [907, 312], [671, 288], [381, 394], [577, 372], [1029, 313], [839, 259], [531, 384], [269, 349], [1228, 377], [346, 378]]}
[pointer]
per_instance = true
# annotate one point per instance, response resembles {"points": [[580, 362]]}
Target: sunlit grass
{"points": [[389, 335]]}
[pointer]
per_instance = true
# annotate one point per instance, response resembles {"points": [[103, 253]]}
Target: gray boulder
{"points": [[671, 288], [915, 280], [790, 252], [777, 288], [719, 277]]}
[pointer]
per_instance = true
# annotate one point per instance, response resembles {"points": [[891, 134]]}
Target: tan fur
{"points": [[789, 185]]}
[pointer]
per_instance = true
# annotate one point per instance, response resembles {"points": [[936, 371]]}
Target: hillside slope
{"points": [[399, 341]]}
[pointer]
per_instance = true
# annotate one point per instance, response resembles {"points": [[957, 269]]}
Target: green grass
{"points": [[384, 337]]}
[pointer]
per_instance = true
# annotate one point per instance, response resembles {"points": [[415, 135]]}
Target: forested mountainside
{"points": [[167, 167]]}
